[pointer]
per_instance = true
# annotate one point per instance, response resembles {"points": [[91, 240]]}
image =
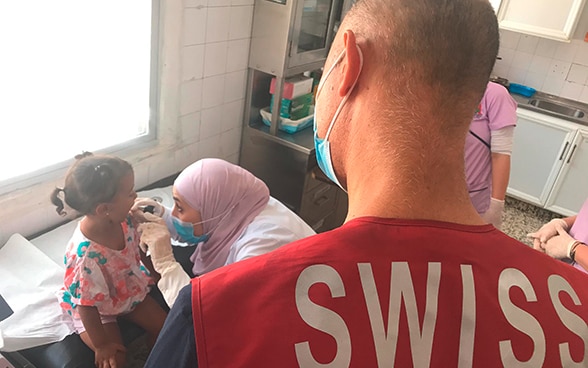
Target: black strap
{"points": [[480, 139]]}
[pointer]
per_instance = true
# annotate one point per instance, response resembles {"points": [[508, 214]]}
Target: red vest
{"points": [[386, 293]]}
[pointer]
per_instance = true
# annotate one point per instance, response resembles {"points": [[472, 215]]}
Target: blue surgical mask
{"points": [[185, 231], [321, 145]]}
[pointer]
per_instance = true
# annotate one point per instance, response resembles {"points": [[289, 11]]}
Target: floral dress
{"points": [[113, 281]]}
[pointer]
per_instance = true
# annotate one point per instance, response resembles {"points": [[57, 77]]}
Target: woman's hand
{"points": [[560, 245], [139, 212], [106, 355], [546, 232], [156, 237]]}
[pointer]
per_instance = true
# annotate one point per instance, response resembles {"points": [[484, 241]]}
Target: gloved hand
{"points": [[156, 237], [494, 213], [140, 203], [546, 232], [560, 245]]}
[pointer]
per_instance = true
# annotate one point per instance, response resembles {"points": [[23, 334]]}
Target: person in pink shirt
{"points": [[487, 152], [565, 238]]}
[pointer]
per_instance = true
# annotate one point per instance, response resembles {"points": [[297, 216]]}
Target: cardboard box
{"points": [[294, 109], [294, 87]]}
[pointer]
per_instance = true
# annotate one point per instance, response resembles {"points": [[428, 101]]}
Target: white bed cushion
{"points": [[29, 284]]}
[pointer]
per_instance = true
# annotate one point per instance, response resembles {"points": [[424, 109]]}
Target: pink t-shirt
{"points": [[497, 110], [579, 230]]}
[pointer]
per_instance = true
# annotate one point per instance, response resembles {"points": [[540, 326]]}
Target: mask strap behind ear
{"points": [[348, 92]]}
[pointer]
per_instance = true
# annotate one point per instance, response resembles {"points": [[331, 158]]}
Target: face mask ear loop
{"points": [[348, 92]]}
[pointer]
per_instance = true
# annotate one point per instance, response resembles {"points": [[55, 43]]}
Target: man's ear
{"points": [[351, 62]]}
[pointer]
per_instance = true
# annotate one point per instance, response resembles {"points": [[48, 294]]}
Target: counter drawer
{"points": [[318, 202]]}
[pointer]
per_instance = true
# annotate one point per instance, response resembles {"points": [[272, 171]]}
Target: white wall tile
{"points": [[238, 55], [186, 155], [210, 147], [233, 115], [235, 86], [571, 90], [231, 141], [192, 62], [195, 3], [215, 58], [521, 60], [506, 56], [540, 64], [217, 25], [213, 3], [553, 85], [190, 96], [213, 91], [528, 44], [194, 27], [242, 2], [535, 80], [566, 52], [584, 95], [578, 74], [190, 127], [509, 39], [559, 69], [500, 70], [546, 47], [211, 122], [241, 21], [581, 56], [516, 75]]}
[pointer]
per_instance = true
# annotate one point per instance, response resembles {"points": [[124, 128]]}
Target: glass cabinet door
{"points": [[313, 30]]}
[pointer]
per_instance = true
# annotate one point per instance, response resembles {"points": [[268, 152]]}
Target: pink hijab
{"points": [[229, 194]]}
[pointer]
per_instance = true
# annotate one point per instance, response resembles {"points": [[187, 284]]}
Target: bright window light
{"points": [[74, 76]]}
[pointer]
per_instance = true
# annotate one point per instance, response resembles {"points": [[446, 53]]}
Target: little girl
{"points": [[104, 277]]}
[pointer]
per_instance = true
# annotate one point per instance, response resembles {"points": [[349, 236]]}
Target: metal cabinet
{"points": [[549, 162], [290, 37]]}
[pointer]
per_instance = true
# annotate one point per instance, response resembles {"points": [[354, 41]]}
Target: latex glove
{"points": [[494, 213], [156, 238], [560, 245], [546, 232], [137, 211]]}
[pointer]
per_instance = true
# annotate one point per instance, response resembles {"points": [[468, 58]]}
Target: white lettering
{"points": [[468, 318], [573, 322], [321, 318], [519, 319], [401, 287]]}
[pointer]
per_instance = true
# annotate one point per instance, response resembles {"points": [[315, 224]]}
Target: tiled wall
{"points": [[216, 37], [552, 67]]}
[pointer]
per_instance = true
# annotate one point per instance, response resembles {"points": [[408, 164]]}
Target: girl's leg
{"points": [[150, 316], [113, 333]]}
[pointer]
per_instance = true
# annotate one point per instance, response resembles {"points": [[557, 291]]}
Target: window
{"points": [[74, 76]]}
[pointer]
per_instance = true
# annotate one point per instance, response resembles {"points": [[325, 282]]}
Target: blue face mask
{"points": [[321, 145], [185, 231]]}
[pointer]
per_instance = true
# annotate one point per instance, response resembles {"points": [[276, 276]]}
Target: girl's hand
{"points": [[106, 356]]}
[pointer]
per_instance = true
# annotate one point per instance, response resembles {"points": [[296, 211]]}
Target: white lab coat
{"points": [[275, 226]]}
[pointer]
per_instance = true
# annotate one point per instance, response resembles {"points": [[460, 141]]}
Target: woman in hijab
{"points": [[225, 211]]}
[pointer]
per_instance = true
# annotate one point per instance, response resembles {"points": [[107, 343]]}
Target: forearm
{"points": [[500, 175], [581, 256], [173, 279], [93, 325]]}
